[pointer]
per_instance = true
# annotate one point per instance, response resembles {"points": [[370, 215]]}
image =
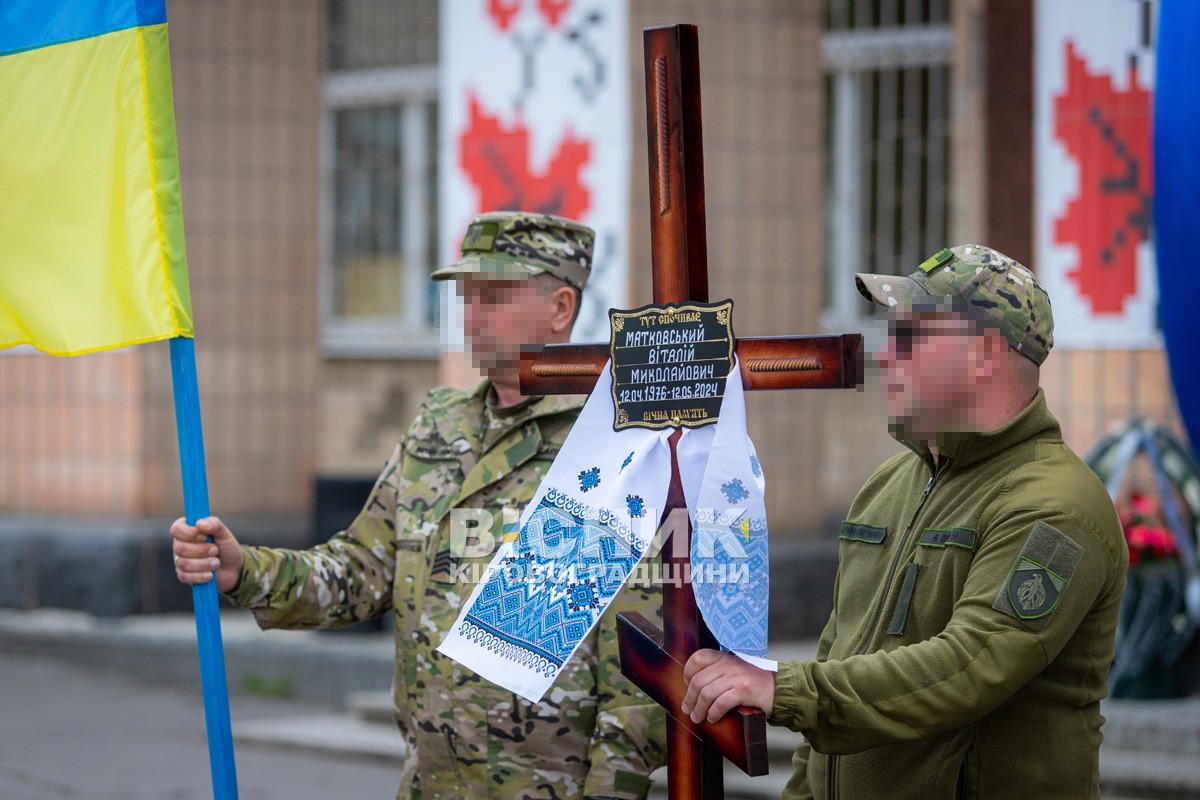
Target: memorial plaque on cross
{"points": [[651, 658]]}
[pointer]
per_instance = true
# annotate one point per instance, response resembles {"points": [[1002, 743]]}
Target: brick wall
{"points": [[95, 435]]}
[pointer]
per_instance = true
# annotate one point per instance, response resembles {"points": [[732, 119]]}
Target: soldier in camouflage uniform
{"points": [[465, 470], [980, 572]]}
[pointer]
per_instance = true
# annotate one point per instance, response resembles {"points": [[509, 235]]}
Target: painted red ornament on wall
{"points": [[495, 158], [1106, 131]]}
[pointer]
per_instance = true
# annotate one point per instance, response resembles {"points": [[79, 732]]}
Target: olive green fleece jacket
{"points": [[975, 613]]}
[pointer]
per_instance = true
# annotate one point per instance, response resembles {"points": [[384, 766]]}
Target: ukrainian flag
{"points": [[91, 230]]}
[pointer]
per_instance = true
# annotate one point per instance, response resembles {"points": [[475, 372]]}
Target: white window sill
{"points": [[385, 343]]}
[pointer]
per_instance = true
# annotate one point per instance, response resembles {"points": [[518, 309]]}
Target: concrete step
{"points": [[342, 735], [306, 665], [1165, 727], [372, 707], [1151, 748], [1147, 775]]}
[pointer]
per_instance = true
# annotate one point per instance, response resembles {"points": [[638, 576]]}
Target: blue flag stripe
{"points": [[30, 24], [1177, 198]]}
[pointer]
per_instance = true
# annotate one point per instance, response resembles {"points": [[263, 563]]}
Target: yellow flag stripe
{"points": [[93, 252], [164, 170]]}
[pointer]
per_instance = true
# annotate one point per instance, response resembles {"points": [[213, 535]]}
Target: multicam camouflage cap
{"points": [[1005, 293], [508, 245]]}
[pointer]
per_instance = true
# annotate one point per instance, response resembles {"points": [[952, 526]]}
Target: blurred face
{"points": [[498, 318], [926, 372]]}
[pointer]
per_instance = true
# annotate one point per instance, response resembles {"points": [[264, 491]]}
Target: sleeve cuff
{"points": [[795, 702], [248, 586]]}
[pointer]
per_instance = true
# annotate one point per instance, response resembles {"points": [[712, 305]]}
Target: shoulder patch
{"points": [[1033, 590], [965, 538], [857, 532], [1039, 578]]}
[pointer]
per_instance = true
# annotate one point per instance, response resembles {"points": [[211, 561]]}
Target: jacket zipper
{"points": [[901, 546], [831, 777]]}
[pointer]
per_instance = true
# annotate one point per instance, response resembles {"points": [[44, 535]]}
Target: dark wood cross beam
{"points": [[654, 659]]}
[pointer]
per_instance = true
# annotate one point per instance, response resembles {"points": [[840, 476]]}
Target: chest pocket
{"points": [[430, 476], [864, 553], [947, 551], [943, 558]]}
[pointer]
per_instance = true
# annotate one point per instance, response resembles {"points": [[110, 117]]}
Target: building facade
{"points": [[840, 136]]}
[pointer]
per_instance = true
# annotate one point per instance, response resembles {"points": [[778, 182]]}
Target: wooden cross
{"points": [[654, 659]]}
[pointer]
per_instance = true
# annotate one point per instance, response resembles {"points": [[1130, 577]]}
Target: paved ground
{"points": [[68, 732], [109, 709]]}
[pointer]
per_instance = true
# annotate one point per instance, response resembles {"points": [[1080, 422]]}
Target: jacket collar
{"points": [[965, 448], [455, 427], [519, 443]]}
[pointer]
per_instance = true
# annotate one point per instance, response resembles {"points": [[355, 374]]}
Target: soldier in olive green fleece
{"points": [[980, 573], [464, 470]]}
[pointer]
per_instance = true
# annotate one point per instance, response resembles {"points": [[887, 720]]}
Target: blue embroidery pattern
{"points": [[547, 595], [730, 576], [637, 506], [734, 490], [589, 479], [755, 466], [581, 596], [625, 463]]}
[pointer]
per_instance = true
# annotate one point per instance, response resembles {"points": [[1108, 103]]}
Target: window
{"points": [[379, 179], [887, 87]]}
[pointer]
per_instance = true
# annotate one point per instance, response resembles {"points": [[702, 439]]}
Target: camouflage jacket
{"points": [[593, 735]]}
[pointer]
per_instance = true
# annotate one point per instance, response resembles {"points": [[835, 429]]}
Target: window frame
{"points": [[850, 59], [414, 90]]}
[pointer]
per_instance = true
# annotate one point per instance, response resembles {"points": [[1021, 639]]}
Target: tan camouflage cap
{"points": [[987, 280], [508, 245]]}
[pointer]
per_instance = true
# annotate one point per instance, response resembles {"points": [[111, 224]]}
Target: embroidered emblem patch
{"points": [[1033, 590], [1039, 577], [589, 479], [481, 237], [734, 490], [637, 506]]}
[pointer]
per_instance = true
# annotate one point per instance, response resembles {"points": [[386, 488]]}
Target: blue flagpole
{"points": [[204, 596]]}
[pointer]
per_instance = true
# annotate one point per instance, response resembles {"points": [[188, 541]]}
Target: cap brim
{"points": [[889, 290], [490, 267]]}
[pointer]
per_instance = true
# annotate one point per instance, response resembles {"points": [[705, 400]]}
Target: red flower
{"points": [[1145, 533]]}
